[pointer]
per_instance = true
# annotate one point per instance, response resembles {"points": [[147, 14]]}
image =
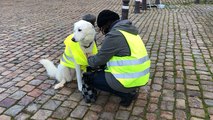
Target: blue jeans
{"points": [[98, 81]]}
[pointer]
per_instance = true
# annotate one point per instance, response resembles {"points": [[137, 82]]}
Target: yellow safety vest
{"points": [[133, 70], [77, 54]]}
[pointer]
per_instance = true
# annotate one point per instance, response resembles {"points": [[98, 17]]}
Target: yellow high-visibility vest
{"points": [[73, 52], [133, 70]]}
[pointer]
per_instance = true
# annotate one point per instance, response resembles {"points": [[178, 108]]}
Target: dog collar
{"points": [[88, 45]]}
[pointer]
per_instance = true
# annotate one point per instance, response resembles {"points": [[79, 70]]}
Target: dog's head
{"points": [[84, 32]]}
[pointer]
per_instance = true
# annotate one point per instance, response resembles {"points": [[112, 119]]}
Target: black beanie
{"points": [[105, 16]]}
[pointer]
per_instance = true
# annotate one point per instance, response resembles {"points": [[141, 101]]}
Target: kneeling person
{"points": [[125, 56]]}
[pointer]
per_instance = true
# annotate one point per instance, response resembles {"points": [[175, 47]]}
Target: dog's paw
{"points": [[57, 86]]}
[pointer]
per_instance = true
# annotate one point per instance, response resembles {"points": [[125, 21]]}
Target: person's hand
{"points": [[87, 77]]}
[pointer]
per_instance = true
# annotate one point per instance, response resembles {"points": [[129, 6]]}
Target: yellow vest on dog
{"points": [[133, 70], [73, 52]]}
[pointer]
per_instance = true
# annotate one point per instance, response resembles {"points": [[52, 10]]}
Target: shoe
{"points": [[125, 102]]}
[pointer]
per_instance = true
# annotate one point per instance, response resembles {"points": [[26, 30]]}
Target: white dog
{"points": [[74, 61]]}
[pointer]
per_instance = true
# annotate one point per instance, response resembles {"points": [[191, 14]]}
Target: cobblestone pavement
{"points": [[179, 40]]}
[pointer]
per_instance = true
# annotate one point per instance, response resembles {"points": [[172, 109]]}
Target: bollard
{"points": [[125, 9], [197, 1], [144, 5], [157, 2], [137, 6]]}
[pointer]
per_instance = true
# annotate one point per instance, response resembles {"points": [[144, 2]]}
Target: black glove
{"points": [[94, 69], [87, 77], [90, 69]]}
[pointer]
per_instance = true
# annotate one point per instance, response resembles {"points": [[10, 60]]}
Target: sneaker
{"points": [[128, 100]]}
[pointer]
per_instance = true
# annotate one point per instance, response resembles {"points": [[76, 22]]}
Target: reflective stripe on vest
{"points": [[131, 71], [67, 57], [73, 52], [132, 75], [128, 62]]}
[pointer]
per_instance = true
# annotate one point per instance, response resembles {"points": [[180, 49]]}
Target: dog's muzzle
{"points": [[73, 39]]}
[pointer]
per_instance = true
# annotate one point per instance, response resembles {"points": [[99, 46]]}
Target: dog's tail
{"points": [[50, 67]]}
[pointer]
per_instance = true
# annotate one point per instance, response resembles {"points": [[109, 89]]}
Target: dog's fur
{"points": [[84, 33]]}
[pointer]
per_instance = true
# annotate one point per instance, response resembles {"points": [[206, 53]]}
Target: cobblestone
{"points": [[61, 113], [22, 116], [79, 112], [122, 115], [51, 104], [28, 88], [32, 108], [14, 110], [42, 99], [17, 95], [198, 112], [35, 93], [5, 117], [7, 102], [151, 116], [25, 100], [178, 38], [180, 115], [107, 115], [91, 116], [2, 110], [41, 114]]}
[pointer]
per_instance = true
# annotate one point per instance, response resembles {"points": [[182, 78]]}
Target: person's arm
{"points": [[114, 45]]}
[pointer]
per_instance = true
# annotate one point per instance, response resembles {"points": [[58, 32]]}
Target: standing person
{"points": [[125, 56]]}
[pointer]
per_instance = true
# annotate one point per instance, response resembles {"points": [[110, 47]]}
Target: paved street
{"points": [[178, 38]]}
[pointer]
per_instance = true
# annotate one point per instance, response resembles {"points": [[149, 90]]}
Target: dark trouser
{"points": [[98, 81]]}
